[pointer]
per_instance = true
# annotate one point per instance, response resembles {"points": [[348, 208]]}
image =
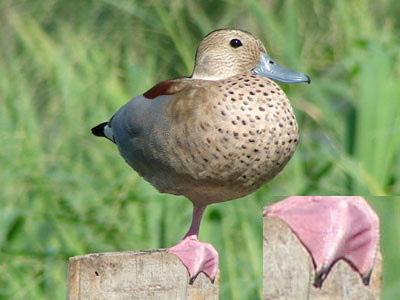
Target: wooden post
{"points": [[153, 274], [289, 272]]}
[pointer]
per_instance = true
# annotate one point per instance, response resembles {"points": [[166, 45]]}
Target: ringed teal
{"points": [[214, 136]]}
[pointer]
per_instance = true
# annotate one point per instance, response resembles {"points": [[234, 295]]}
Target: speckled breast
{"points": [[242, 135]]}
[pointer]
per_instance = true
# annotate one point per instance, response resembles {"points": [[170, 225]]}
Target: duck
{"points": [[214, 136]]}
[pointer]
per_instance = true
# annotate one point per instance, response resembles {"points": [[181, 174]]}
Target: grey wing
{"points": [[137, 127]]}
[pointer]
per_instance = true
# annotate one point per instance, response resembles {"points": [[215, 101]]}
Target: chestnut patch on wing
{"points": [[167, 87]]}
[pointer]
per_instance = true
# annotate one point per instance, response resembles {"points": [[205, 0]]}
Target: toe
{"points": [[197, 257]]}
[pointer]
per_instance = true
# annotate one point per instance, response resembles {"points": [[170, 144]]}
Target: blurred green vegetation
{"points": [[65, 66]]}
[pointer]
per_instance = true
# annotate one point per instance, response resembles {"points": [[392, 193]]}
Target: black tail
{"points": [[99, 129]]}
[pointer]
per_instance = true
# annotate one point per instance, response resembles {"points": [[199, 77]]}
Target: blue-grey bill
{"points": [[269, 68]]}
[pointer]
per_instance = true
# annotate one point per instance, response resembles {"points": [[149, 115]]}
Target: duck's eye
{"points": [[235, 43]]}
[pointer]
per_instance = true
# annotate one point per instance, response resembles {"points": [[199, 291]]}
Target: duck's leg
{"points": [[333, 228], [195, 255]]}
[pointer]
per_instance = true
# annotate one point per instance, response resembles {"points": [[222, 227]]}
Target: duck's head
{"points": [[227, 52]]}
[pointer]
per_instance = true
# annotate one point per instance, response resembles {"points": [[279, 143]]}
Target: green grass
{"points": [[65, 66], [388, 209]]}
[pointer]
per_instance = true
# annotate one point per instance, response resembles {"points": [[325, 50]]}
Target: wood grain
{"points": [[153, 274]]}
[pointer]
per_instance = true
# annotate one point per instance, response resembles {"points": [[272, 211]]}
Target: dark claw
{"points": [[366, 278], [193, 278], [321, 275]]}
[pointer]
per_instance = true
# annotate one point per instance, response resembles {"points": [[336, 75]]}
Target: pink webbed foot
{"points": [[197, 257], [333, 228]]}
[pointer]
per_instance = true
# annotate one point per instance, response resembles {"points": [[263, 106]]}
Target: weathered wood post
{"points": [[153, 274], [289, 273]]}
